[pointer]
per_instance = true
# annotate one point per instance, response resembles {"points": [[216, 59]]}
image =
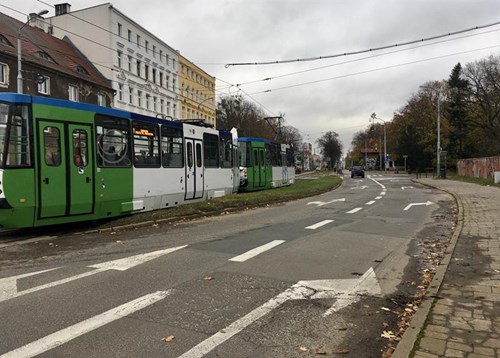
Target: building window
{"points": [[119, 57], [119, 29], [154, 51], [167, 81], [139, 98], [175, 111], [120, 92], [44, 55], [138, 41], [147, 101], [131, 95], [154, 103], [154, 75], [161, 78], [43, 85], [101, 100], [173, 84], [73, 93], [4, 76], [138, 68], [168, 108], [3, 40], [129, 64], [146, 72], [129, 35], [167, 60], [161, 55], [146, 45], [162, 105]]}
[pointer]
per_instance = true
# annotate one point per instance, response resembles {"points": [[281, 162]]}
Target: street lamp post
{"points": [[19, 69], [438, 154], [372, 119]]}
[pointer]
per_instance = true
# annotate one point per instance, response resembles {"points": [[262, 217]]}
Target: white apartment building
{"points": [[143, 69]]}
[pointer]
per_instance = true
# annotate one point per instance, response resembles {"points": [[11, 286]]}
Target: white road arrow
{"points": [[427, 203], [360, 187], [8, 286], [321, 203], [346, 291], [406, 187]]}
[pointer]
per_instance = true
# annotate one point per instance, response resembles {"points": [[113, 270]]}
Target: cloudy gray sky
{"points": [[317, 96]]}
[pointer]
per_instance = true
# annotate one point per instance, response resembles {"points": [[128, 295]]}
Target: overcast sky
{"points": [[336, 94]]}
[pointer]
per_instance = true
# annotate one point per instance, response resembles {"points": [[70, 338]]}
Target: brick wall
{"points": [[479, 167]]}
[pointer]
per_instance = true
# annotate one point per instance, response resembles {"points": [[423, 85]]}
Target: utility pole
{"points": [[438, 136]]}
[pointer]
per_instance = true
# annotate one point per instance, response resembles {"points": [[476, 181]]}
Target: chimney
{"points": [[62, 9]]}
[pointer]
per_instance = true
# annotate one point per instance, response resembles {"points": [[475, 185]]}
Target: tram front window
{"points": [[14, 136]]}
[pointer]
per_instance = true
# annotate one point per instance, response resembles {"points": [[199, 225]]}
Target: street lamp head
{"points": [[373, 116], [33, 15]]}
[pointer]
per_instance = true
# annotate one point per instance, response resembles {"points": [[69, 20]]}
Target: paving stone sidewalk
{"points": [[465, 318]]}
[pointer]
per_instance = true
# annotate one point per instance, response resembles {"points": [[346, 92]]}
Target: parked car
{"points": [[357, 171]]}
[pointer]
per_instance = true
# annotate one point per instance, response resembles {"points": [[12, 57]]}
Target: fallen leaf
{"points": [[119, 241], [388, 335], [385, 309], [168, 338], [342, 351], [319, 351], [303, 349], [208, 278], [385, 324]]}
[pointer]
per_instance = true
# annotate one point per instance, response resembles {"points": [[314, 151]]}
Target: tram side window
{"points": [[211, 150], [52, 145], [289, 157], [80, 148], [270, 154], [146, 145], [245, 154], [113, 143], [226, 152], [15, 150], [171, 147]]}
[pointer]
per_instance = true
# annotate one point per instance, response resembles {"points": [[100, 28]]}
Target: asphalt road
{"points": [[313, 276]]}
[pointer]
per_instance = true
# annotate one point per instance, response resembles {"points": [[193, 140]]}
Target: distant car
{"points": [[357, 171]]}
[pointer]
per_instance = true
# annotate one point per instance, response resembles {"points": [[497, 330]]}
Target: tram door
{"points": [[65, 178], [194, 169], [259, 167]]}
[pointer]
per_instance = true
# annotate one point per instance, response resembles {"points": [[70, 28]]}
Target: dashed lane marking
{"points": [[318, 225], [257, 251], [355, 210]]}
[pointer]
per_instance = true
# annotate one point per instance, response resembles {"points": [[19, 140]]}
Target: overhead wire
{"points": [[361, 51], [359, 59], [373, 70]]}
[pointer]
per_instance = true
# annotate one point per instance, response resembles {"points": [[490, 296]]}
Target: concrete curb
{"points": [[405, 347]]}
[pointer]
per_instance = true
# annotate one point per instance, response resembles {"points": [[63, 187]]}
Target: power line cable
{"points": [[357, 60], [374, 70], [362, 51]]}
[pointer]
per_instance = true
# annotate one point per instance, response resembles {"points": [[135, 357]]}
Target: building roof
{"points": [[41, 49]]}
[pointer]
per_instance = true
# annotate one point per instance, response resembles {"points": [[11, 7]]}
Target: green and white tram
{"points": [[265, 164], [63, 161]]}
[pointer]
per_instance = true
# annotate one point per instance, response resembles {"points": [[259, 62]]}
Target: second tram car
{"points": [[265, 164]]}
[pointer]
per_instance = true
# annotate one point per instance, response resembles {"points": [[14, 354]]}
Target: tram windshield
{"points": [[14, 136]]}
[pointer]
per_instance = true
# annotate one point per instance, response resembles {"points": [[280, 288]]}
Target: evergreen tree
{"points": [[457, 109]]}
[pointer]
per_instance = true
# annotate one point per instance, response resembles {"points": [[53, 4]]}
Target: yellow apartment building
{"points": [[197, 93]]}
